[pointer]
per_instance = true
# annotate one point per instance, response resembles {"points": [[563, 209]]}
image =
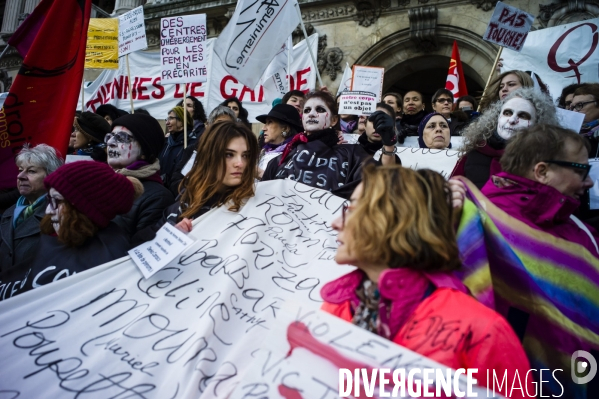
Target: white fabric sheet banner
{"points": [[183, 49], [253, 36], [190, 330], [508, 27], [441, 161], [560, 56], [149, 92], [132, 31]]}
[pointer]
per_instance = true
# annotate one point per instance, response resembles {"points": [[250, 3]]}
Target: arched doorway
{"points": [[406, 67]]}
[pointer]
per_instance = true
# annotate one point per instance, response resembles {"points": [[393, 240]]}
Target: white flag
{"points": [[345, 80], [279, 62], [254, 35]]}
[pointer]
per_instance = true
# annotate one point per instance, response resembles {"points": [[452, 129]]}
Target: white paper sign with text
{"points": [[183, 49], [368, 79], [508, 27], [132, 31], [190, 330], [357, 103]]}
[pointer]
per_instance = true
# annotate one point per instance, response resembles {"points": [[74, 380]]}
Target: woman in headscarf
{"points": [[434, 132]]}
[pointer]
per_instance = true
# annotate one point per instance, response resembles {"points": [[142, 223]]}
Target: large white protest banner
{"points": [[560, 56], [190, 330], [149, 92], [132, 31], [304, 352], [508, 26], [253, 36], [183, 49], [442, 161], [412, 141]]}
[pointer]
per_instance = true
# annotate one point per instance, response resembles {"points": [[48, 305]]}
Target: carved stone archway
{"points": [[401, 56]]}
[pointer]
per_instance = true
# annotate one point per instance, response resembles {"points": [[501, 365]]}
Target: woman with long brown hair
{"points": [[398, 232], [503, 85], [222, 174]]}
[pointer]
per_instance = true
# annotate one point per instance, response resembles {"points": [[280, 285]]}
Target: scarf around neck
{"points": [[143, 170]]}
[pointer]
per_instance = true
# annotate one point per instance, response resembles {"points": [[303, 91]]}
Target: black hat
{"points": [[286, 114], [93, 126], [147, 132], [110, 110]]}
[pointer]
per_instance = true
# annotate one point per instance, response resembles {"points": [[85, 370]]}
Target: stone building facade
{"points": [[411, 39]]}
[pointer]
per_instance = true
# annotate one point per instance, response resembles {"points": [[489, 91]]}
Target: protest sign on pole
{"points": [[357, 103], [368, 79], [132, 32], [182, 49], [345, 84], [560, 56], [102, 49], [190, 330], [253, 36], [508, 27]]}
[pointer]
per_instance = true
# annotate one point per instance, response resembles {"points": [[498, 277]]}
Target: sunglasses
{"points": [[120, 137], [583, 167], [54, 202], [444, 100]]}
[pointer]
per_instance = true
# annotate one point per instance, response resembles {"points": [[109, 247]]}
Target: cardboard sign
{"points": [[183, 49], [154, 255], [102, 48], [508, 27], [190, 330], [357, 103], [368, 79], [132, 32]]}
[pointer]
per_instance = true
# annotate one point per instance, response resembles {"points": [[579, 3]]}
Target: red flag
{"points": [[456, 83], [41, 103]]}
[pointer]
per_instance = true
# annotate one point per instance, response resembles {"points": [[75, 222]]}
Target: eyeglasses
{"points": [[583, 167], [580, 106], [345, 208], [54, 202], [120, 137], [567, 104], [444, 100]]}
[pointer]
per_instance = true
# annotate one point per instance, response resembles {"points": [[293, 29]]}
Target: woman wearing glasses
{"points": [[77, 232], [398, 232], [443, 104], [133, 147], [545, 176]]}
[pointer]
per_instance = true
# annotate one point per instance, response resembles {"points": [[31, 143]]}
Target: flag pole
{"points": [[129, 80], [184, 115], [83, 92], [4, 51], [299, 14], [491, 74], [289, 48]]}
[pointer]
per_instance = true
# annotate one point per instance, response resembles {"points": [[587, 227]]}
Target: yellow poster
{"points": [[102, 49]]}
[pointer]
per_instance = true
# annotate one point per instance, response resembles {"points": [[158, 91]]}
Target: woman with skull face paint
{"points": [[485, 138], [133, 147], [314, 157]]}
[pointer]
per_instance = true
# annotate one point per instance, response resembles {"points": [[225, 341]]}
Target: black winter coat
{"points": [[146, 210], [55, 260], [321, 163]]}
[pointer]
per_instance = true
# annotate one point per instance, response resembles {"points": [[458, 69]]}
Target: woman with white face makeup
{"points": [[77, 231], [486, 137], [314, 157], [133, 147]]}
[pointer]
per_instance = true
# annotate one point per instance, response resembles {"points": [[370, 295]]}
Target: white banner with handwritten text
{"points": [[441, 161], [190, 330]]}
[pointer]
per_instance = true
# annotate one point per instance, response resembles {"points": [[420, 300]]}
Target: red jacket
{"points": [[448, 326]]}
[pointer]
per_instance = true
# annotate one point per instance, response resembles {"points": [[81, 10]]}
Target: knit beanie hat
{"points": [[93, 126], [146, 130], [94, 189], [422, 125], [179, 112]]}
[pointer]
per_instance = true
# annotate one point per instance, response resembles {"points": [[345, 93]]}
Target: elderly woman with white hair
{"points": [[20, 224], [485, 138]]}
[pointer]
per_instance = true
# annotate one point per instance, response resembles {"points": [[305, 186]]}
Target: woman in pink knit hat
{"points": [[77, 232]]}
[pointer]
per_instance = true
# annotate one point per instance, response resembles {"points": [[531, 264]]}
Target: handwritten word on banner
{"points": [[132, 32], [508, 27], [182, 49], [302, 356], [441, 161], [190, 330]]}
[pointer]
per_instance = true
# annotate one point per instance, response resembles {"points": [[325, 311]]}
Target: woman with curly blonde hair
{"points": [[505, 83], [398, 232], [485, 138]]}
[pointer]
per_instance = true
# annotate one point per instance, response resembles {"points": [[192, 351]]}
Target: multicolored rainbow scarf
{"points": [[546, 287]]}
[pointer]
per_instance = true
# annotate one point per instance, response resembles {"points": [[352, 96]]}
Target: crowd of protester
{"points": [[399, 228]]}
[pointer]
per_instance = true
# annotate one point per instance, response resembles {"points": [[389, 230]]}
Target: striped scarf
{"points": [[23, 211], [546, 287]]}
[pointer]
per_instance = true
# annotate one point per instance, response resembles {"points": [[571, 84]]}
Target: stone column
{"points": [[30, 5], [122, 6], [11, 15]]}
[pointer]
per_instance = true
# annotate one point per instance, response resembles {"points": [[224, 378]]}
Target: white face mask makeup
{"points": [[515, 114], [123, 149], [316, 115]]}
